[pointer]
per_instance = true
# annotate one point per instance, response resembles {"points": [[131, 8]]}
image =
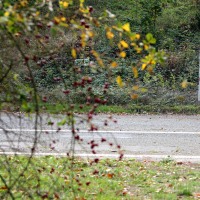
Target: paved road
{"points": [[154, 136]]}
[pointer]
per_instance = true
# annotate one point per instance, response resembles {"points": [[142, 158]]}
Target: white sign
{"points": [[82, 62]]}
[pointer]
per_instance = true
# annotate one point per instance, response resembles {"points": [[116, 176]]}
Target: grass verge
{"points": [[56, 108], [129, 109], [57, 178]]}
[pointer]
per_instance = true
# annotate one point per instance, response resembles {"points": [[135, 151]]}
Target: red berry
{"points": [[82, 22], [87, 26], [44, 99], [91, 9], [87, 183], [96, 160], [66, 91]]}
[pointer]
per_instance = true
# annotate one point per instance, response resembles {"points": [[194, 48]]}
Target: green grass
{"points": [[56, 108], [129, 109], [57, 178]]}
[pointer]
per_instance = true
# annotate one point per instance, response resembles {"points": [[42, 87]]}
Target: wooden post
{"points": [[199, 79]]}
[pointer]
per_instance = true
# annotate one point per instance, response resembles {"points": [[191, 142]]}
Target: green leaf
{"points": [[150, 38], [63, 122]]}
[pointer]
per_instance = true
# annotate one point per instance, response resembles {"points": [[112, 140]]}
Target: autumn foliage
{"points": [[36, 33]]}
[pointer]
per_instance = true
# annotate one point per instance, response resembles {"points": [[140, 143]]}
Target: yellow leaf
{"points": [[144, 66], [37, 13], [135, 72], [95, 54], [126, 27], [65, 4], [23, 3], [119, 81], [135, 87], [100, 62], [134, 96], [109, 35], [57, 20], [6, 14], [73, 53], [143, 90], [138, 36], [67, 182], [152, 62], [146, 47], [117, 28], [90, 34], [139, 50], [135, 36], [150, 69], [19, 17], [63, 19], [122, 54], [124, 44], [184, 84], [114, 64]]}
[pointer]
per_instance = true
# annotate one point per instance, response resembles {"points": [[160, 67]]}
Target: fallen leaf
{"points": [[196, 195], [3, 188], [110, 175]]}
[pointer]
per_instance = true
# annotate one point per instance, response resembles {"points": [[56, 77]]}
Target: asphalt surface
{"points": [[153, 136]]}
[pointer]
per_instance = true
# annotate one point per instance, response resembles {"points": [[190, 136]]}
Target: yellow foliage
{"points": [[114, 64], [63, 19], [184, 84], [95, 54], [135, 72], [143, 90], [90, 34], [57, 20], [109, 35], [122, 54], [134, 96], [6, 14], [150, 69], [37, 13], [135, 87], [65, 4], [144, 65], [119, 81], [23, 3], [124, 44], [126, 27], [100, 62], [146, 47], [138, 36], [19, 17], [73, 53], [135, 36]]}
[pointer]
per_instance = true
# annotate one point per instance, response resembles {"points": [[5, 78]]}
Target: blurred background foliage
{"points": [[174, 23]]}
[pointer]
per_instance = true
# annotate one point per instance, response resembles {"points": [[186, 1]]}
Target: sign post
{"points": [[82, 62]]}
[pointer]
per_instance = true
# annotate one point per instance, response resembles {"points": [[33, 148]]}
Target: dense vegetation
{"points": [[176, 27]]}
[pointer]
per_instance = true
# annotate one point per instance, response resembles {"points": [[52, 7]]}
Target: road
{"points": [[139, 136]]}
